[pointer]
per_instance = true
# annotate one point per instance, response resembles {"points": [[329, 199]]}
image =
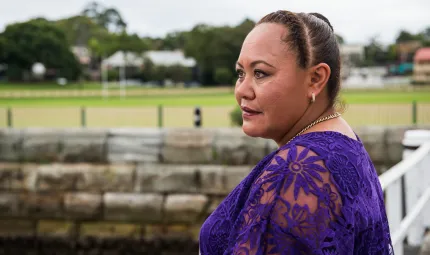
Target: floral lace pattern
{"points": [[319, 194]]}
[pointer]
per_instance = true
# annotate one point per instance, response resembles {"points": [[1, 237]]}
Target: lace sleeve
{"points": [[290, 208]]}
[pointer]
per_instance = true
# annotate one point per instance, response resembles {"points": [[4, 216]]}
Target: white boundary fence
{"points": [[407, 191]]}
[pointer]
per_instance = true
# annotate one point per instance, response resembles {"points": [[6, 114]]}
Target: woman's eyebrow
{"points": [[254, 63]]}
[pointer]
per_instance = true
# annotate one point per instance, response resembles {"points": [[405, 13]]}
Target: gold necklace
{"points": [[331, 116]]}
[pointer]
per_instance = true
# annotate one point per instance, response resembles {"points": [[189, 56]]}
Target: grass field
{"points": [[62, 108], [51, 86], [201, 97]]}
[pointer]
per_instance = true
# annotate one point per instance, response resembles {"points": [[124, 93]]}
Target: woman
{"points": [[318, 193]]}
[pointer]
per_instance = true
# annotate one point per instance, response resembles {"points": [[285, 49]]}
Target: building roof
{"points": [[346, 49], [123, 59], [169, 58], [82, 54], [159, 58], [422, 54]]}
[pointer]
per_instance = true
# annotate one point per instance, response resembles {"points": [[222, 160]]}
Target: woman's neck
{"points": [[311, 114]]}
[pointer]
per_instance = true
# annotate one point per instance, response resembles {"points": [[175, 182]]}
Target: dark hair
{"points": [[311, 36]]}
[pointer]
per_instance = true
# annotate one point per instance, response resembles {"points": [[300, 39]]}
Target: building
{"points": [[169, 58], [158, 58], [82, 54], [422, 66], [123, 59], [406, 50], [351, 55], [131, 64]]}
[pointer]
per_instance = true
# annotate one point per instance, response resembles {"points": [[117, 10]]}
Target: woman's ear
{"points": [[319, 75]]}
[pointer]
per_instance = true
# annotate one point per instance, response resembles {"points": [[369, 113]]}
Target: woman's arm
{"points": [[291, 208]]}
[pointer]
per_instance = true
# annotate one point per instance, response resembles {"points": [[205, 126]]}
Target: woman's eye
{"points": [[240, 73], [259, 74]]}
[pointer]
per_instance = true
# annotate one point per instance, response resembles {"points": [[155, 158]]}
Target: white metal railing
{"points": [[409, 180]]}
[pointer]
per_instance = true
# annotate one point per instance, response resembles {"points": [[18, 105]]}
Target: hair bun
{"points": [[323, 18]]}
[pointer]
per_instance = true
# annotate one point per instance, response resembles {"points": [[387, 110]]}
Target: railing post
{"points": [[414, 112], [160, 116], [197, 117], [9, 117], [415, 184], [83, 117], [394, 210]]}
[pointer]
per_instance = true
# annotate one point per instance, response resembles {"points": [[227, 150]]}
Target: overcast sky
{"points": [[355, 20]]}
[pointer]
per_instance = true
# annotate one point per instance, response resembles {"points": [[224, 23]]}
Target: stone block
{"points": [[181, 208], [109, 229], [373, 138], [230, 148], [84, 145], [234, 175], [41, 145], [134, 145], [41, 205], [26, 178], [257, 149], [215, 202], [107, 178], [82, 205], [211, 179], [9, 205], [394, 138], [272, 146], [10, 144], [16, 227], [54, 228], [59, 177], [8, 173], [133, 207], [166, 178], [188, 146]]}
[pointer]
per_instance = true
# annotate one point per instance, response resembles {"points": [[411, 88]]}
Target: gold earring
{"points": [[313, 98]]}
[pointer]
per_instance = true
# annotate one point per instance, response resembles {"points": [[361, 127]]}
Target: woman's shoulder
{"points": [[318, 157], [328, 144]]}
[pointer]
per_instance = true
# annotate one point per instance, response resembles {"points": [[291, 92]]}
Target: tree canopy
{"points": [[37, 41], [103, 30]]}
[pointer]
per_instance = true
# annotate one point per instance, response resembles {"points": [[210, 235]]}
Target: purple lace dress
{"points": [[319, 194]]}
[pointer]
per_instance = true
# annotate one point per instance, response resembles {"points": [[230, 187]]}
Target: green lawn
{"points": [[168, 100], [139, 108], [190, 99], [47, 86]]}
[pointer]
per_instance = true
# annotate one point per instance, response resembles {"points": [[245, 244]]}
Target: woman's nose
{"points": [[245, 90]]}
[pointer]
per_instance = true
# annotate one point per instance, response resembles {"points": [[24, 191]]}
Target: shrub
{"points": [[223, 76], [236, 117]]}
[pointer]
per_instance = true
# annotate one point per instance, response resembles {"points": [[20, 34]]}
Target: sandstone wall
{"points": [[134, 182]]}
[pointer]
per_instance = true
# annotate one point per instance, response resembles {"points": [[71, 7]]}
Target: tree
{"points": [[215, 47], [405, 36], [340, 39], [2, 49], [178, 73], [223, 76], [426, 34], [174, 41], [80, 29], [392, 53], [109, 18], [131, 43], [38, 41], [159, 73], [374, 54]]}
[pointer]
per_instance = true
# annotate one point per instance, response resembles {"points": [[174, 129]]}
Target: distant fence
{"points": [[171, 116]]}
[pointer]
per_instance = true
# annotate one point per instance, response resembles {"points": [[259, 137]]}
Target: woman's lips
{"points": [[248, 112]]}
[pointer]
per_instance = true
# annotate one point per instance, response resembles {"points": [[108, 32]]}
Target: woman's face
{"points": [[271, 87]]}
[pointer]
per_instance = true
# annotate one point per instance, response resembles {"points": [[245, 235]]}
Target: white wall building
{"points": [[169, 58], [350, 54]]}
